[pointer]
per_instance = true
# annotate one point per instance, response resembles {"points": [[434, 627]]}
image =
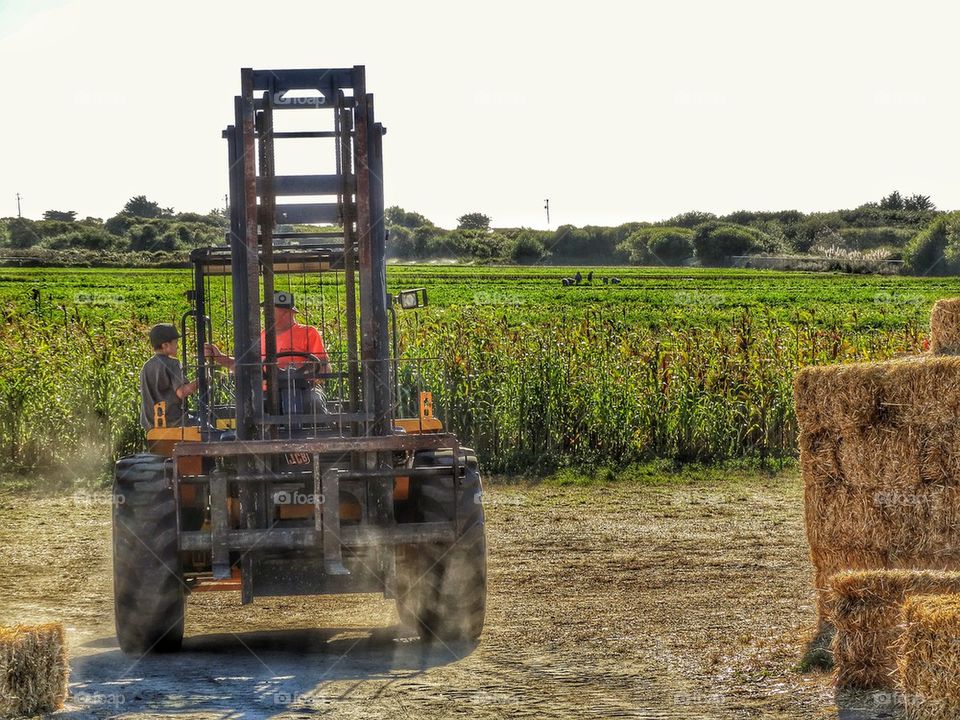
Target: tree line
{"points": [[898, 230], [875, 233], [141, 226]]}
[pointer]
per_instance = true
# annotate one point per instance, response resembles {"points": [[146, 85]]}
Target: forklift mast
{"points": [[354, 202]]}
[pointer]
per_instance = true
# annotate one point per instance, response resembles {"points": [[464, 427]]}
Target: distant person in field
{"points": [[162, 380], [590, 276], [291, 337], [578, 277]]}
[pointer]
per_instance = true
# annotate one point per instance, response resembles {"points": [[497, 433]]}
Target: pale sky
{"points": [[615, 111]]}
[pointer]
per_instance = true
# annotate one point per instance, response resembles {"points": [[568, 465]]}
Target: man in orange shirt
{"points": [[291, 337]]}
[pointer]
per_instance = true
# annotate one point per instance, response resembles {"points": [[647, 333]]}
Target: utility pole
{"points": [[18, 206], [226, 204], [546, 206]]}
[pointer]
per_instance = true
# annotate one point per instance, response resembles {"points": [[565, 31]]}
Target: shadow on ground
{"points": [[251, 674], [869, 705]]}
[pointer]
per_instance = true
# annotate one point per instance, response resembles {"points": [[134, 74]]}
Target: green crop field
{"points": [[690, 365]]}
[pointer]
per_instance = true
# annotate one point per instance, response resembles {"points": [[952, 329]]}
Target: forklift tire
{"points": [[148, 585], [444, 585]]}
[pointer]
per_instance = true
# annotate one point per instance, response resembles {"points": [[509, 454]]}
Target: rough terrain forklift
{"points": [[260, 489]]}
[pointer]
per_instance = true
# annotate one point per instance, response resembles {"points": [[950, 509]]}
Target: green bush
{"points": [[143, 237], [528, 247], [84, 237], [212, 219], [396, 215], [935, 250], [855, 238], [22, 233], [716, 242], [119, 224], [658, 246], [427, 240], [689, 219], [400, 242]]}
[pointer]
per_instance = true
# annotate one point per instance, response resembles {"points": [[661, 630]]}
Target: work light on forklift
{"points": [[412, 299]]}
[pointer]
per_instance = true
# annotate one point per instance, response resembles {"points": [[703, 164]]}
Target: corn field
{"points": [[539, 380]]}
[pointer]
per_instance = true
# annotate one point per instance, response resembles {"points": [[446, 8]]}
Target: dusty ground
{"points": [[686, 598]]}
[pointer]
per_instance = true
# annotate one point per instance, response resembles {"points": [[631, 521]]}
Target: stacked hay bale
{"points": [[33, 669], [865, 608], [928, 657], [945, 326], [880, 457]]}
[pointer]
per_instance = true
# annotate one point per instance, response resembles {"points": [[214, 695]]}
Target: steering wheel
{"points": [[310, 370]]}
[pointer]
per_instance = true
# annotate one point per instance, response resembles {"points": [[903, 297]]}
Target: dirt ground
{"points": [[686, 598]]}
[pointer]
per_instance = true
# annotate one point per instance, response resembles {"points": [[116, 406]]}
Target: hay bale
{"points": [[913, 392], [837, 397], [899, 523], [928, 657], [33, 669], [880, 459], [864, 608], [945, 326]]}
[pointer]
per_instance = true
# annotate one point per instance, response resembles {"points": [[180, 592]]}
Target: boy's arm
{"points": [[181, 387], [187, 389]]}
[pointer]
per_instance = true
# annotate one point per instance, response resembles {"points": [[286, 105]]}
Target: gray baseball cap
{"points": [[161, 333]]}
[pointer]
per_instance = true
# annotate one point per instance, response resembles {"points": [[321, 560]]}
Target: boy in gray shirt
{"points": [[161, 378]]}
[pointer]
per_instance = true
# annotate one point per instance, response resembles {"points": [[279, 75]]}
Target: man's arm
{"points": [[315, 341], [219, 357]]}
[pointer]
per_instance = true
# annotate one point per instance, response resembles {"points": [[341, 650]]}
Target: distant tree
{"points": [[658, 246], [473, 221], [22, 233], [427, 239], [396, 215], [918, 202], [893, 201], [143, 237], [715, 243], [139, 206], [400, 242], [87, 237], [184, 236], [689, 219], [119, 224], [168, 241], [527, 248], [63, 215], [935, 250]]}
